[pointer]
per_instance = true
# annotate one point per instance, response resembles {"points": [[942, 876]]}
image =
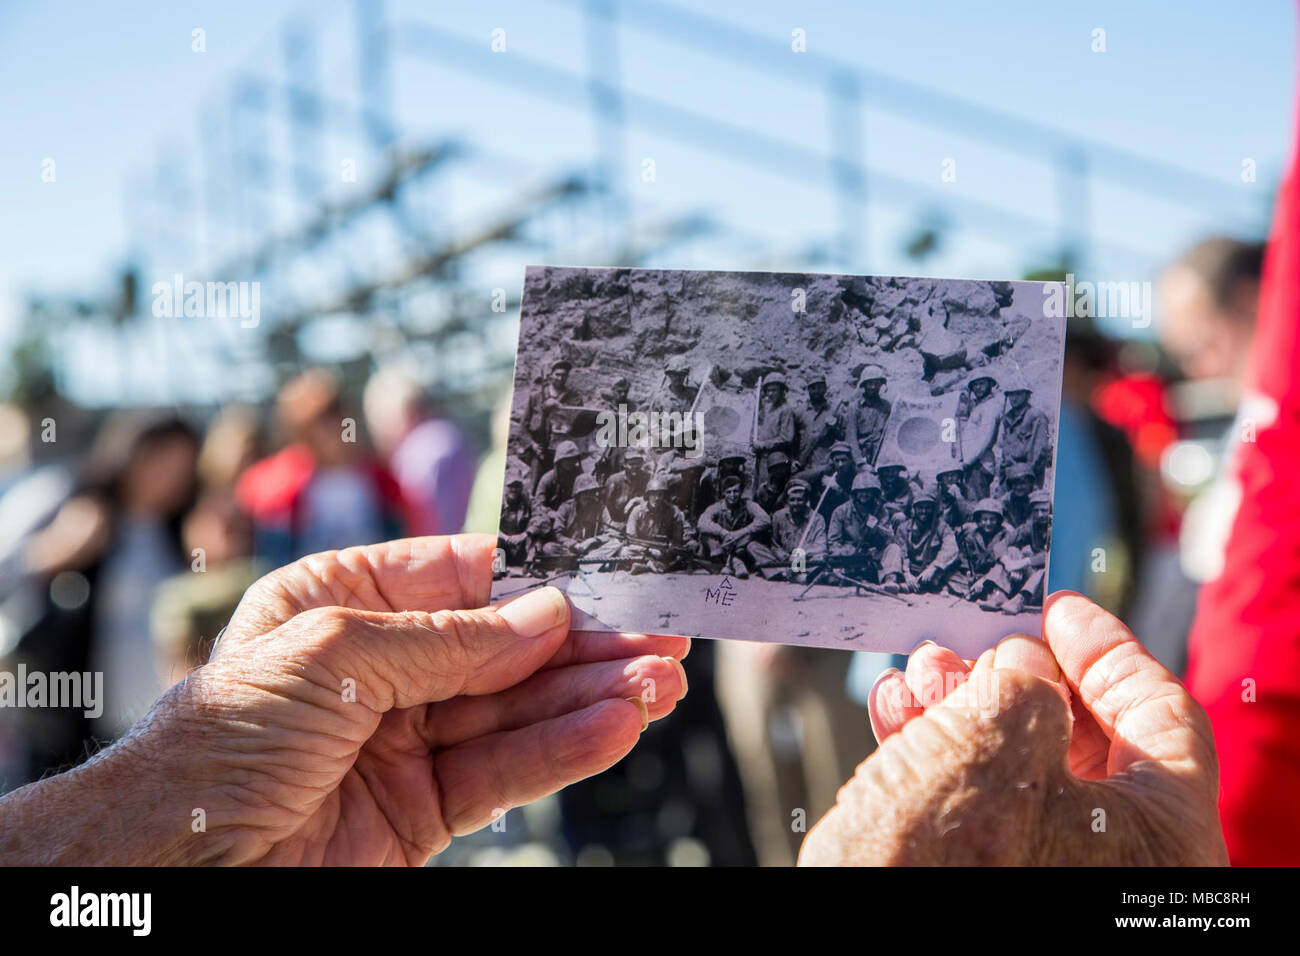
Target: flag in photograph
{"points": [[922, 434], [728, 412]]}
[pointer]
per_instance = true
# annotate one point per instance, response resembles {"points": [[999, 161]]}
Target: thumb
{"points": [[407, 658], [966, 782]]}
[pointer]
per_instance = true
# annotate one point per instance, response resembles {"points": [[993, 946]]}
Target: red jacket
{"points": [[271, 492], [1244, 654]]}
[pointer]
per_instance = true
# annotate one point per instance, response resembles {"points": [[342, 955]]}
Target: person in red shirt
{"points": [[1244, 651], [325, 490]]}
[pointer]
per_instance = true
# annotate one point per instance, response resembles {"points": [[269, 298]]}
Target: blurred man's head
{"points": [[394, 403], [1207, 303], [217, 527], [310, 408]]}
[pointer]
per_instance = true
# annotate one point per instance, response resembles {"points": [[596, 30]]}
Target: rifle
{"points": [[828, 566], [808, 527]]}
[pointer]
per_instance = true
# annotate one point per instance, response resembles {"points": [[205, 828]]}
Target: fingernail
{"points": [[887, 672], [643, 709], [536, 612], [681, 672], [1023, 653]]}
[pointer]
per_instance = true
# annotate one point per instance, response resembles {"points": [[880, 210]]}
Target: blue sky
{"points": [[107, 89]]}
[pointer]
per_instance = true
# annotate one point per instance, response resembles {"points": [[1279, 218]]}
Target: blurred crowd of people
{"points": [[128, 559]]}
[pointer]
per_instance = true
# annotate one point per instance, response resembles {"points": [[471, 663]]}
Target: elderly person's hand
{"points": [[991, 765], [362, 707]]}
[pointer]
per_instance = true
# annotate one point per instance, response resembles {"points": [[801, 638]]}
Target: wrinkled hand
{"points": [[991, 765], [355, 712]]}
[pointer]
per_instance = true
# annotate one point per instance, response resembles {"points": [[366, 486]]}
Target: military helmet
{"points": [[659, 483], [1018, 469], [776, 378], [989, 505], [816, 378], [777, 458], [865, 479], [567, 449], [677, 364], [1012, 380], [731, 480], [515, 475], [584, 483], [872, 373], [927, 492], [562, 363], [621, 384], [981, 373]]}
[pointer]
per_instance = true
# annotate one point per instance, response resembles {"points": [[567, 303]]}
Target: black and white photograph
{"points": [[843, 461]]}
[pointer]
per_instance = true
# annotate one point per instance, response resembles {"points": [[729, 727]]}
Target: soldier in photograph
{"points": [[776, 427], [678, 397], [710, 491], [1024, 434], [1022, 564], [835, 479], [576, 529], [817, 428], [895, 486], [954, 507], [616, 397], [1019, 481], [770, 495], [685, 473], [796, 526], [1034, 539], [862, 539], [981, 541], [516, 512], [539, 424], [626, 487], [865, 416], [556, 485], [977, 419], [734, 529], [928, 544], [659, 539]]}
